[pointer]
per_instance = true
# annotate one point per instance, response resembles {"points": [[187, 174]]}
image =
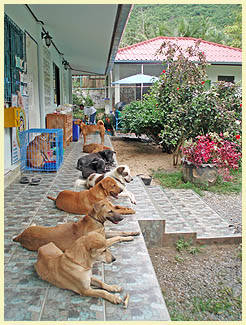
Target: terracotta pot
{"points": [[206, 174]]}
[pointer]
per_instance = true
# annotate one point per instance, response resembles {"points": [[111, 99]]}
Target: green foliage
{"points": [[77, 100], [88, 101], [235, 31], [204, 21], [179, 105], [181, 244]]}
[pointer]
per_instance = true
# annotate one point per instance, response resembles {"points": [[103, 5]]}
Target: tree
{"points": [[235, 32]]}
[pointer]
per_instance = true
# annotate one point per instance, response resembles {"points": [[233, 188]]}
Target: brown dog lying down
{"points": [[37, 150], [87, 129], [72, 269], [64, 235], [94, 147], [81, 202]]}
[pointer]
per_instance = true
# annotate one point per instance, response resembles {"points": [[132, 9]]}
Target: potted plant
{"points": [[208, 156]]}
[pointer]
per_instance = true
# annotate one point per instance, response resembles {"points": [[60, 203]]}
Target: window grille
{"points": [[14, 57]]}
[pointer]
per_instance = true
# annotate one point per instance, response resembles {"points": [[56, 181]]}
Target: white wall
{"points": [[25, 21], [214, 71]]}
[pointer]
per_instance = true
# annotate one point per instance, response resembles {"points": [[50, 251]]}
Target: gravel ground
{"points": [[202, 286], [228, 207], [205, 286]]}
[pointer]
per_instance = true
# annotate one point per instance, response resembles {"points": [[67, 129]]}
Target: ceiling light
{"points": [[47, 38]]}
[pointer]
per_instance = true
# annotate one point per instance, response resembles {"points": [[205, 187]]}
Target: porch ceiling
{"points": [[88, 35]]}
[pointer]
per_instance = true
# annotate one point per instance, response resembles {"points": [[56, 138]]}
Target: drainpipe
{"points": [[70, 96]]}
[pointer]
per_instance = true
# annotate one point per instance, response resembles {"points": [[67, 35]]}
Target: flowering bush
{"points": [[214, 149]]}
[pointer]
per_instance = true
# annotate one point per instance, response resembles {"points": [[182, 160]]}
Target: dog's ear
{"points": [[75, 228], [120, 170], [99, 178]]}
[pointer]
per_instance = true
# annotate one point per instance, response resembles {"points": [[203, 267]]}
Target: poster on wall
{"points": [[15, 137]]}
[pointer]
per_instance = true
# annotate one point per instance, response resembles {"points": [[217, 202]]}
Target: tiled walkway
{"points": [[160, 215], [29, 298]]}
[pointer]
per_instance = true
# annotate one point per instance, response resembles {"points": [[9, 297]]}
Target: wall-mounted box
{"points": [[12, 117]]}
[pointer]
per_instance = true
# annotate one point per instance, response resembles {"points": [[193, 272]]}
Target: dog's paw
{"points": [[130, 211], [128, 238], [116, 300], [134, 233], [114, 288]]}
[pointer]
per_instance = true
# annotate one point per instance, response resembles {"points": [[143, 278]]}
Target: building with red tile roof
{"points": [[147, 51], [225, 62]]}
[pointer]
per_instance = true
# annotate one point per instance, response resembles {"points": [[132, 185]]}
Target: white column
{"points": [[41, 78], [117, 87]]}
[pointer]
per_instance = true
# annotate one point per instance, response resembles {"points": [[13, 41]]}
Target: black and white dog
{"points": [[121, 174]]}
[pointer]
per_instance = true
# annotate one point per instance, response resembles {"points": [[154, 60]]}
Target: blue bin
{"points": [[75, 132]]}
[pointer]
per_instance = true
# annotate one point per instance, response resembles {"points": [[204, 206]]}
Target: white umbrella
{"points": [[137, 79]]}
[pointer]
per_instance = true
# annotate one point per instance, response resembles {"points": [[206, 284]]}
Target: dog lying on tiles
{"points": [[95, 162], [121, 174], [81, 202], [94, 147], [72, 269], [64, 235]]}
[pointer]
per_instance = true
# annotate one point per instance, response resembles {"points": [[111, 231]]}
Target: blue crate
{"points": [[41, 149]]}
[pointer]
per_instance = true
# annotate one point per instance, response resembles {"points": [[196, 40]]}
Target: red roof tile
{"points": [[146, 51]]}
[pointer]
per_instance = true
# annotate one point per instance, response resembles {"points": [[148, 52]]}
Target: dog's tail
{"points": [[100, 122], [51, 198]]}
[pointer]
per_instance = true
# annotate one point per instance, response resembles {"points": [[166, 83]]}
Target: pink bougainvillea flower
{"points": [[177, 88], [203, 82], [238, 136], [240, 105], [163, 71]]}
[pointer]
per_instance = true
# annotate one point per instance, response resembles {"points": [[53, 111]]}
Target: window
{"points": [[56, 84], [14, 58], [226, 78]]}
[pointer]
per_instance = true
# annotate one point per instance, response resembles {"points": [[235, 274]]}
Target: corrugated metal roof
{"points": [[147, 50]]}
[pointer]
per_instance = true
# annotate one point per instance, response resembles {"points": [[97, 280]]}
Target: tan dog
{"points": [[94, 147], [73, 269], [87, 129], [37, 150], [64, 235], [81, 202]]}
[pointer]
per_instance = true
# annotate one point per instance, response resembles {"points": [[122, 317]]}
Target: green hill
{"points": [[206, 21]]}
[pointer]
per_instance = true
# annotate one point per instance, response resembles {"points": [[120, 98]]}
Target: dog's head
{"points": [[123, 172], [110, 187], [107, 155], [79, 164], [102, 212], [96, 246]]}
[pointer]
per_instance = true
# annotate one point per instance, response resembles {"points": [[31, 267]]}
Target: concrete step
{"points": [[186, 213]]}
